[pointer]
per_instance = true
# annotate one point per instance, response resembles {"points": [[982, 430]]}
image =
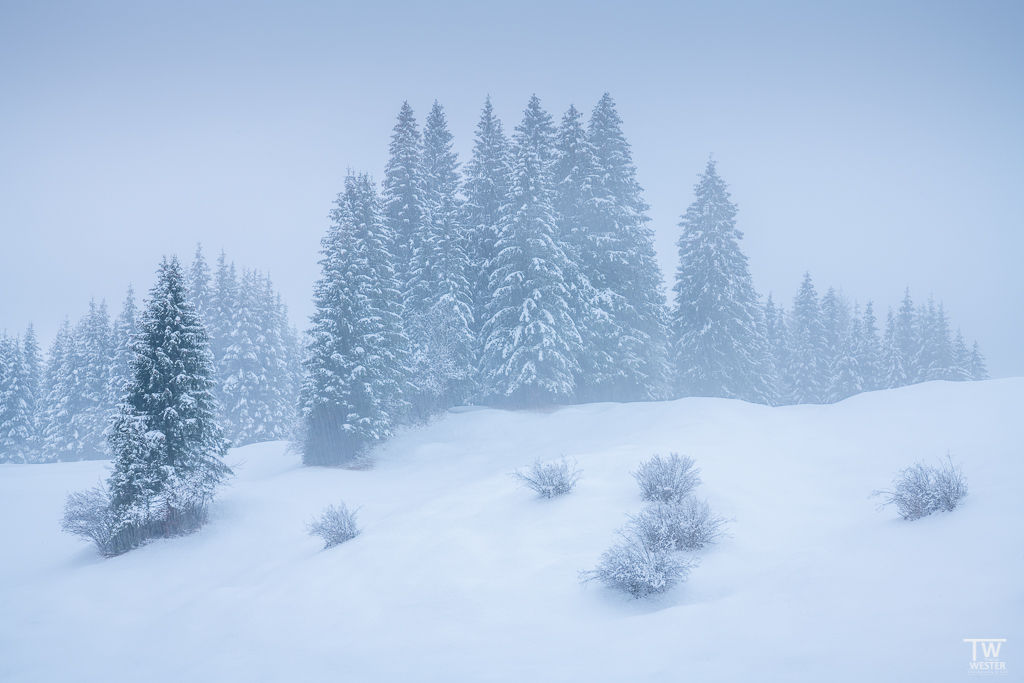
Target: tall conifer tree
{"points": [[575, 174], [405, 194], [777, 335], [894, 372], [17, 429], [59, 399], [529, 356], [718, 332], [628, 282], [870, 350], [807, 374], [906, 340], [847, 374], [125, 327], [979, 370], [198, 283], [218, 318], [439, 313], [357, 356], [487, 179], [168, 447]]}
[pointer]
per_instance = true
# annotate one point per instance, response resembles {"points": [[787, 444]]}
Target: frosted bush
{"points": [[687, 525], [114, 530], [950, 486], [637, 569], [335, 525], [88, 514], [549, 479], [667, 480], [921, 489]]}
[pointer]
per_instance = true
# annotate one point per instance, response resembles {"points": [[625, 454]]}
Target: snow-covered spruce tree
{"points": [[777, 335], [19, 397], [907, 342], [575, 173], [835, 320], [404, 193], [77, 407], [979, 370], [294, 353], [935, 352], [439, 300], [125, 327], [198, 283], [282, 360], [256, 393], [356, 360], [243, 393], [34, 363], [961, 358], [846, 378], [718, 336], [486, 190], [17, 431], [219, 316], [624, 271], [807, 372], [168, 448], [531, 341], [893, 371], [58, 402], [94, 355], [870, 350]]}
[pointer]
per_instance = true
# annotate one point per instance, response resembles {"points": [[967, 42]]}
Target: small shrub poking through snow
{"points": [[950, 485], [921, 489], [88, 514], [549, 479], [638, 569], [689, 525], [647, 559], [668, 479], [335, 525]]}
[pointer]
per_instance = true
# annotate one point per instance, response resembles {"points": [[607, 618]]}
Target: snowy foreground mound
{"points": [[461, 576]]}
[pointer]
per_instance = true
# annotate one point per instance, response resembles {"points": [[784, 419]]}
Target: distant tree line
{"points": [[63, 408], [526, 278], [726, 343]]}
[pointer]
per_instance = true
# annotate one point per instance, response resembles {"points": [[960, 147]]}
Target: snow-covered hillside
{"points": [[461, 576]]}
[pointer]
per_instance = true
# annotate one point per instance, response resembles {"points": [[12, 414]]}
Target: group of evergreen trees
{"points": [[63, 409], [529, 280], [827, 350], [60, 409], [20, 384], [256, 352]]}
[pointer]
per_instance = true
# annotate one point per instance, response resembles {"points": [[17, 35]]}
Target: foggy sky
{"points": [[877, 145]]}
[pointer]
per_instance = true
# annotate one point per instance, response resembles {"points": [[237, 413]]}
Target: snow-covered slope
{"points": [[461, 576]]}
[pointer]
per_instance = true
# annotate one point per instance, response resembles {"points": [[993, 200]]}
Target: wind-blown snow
{"points": [[460, 575]]}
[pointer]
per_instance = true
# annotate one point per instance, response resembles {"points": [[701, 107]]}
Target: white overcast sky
{"points": [[877, 145]]}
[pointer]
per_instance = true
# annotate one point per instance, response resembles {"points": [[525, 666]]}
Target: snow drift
{"points": [[461, 575]]}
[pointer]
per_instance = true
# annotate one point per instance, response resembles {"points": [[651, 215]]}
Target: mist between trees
{"points": [[527, 278]]}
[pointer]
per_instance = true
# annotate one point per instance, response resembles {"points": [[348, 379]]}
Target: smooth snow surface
{"points": [[459, 575]]}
